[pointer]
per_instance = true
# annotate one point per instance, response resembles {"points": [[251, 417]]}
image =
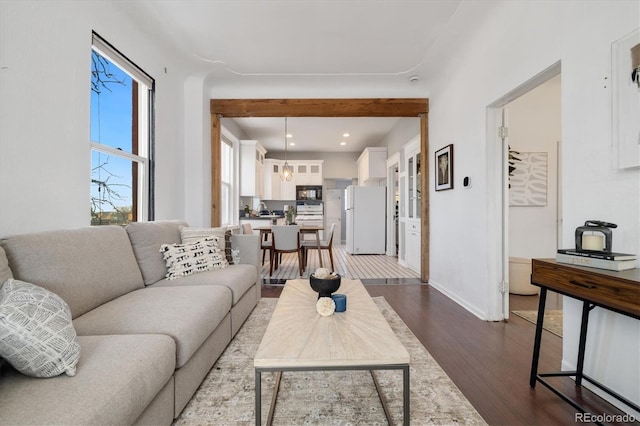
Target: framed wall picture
{"points": [[444, 168], [625, 55]]}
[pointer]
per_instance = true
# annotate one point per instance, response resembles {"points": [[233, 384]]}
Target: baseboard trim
{"points": [[462, 302]]}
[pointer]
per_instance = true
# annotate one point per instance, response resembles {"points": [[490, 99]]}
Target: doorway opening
{"points": [[524, 133], [379, 107]]}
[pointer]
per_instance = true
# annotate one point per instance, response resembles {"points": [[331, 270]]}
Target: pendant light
{"points": [[287, 171]]}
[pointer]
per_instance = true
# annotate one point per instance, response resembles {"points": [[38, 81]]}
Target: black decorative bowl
{"points": [[324, 287]]}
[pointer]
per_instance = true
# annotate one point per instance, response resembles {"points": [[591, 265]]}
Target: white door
{"points": [[333, 212]]}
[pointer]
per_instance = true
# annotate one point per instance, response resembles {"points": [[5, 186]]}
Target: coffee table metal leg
{"points": [[381, 396], [258, 398], [274, 397], [387, 413], [406, 395]]}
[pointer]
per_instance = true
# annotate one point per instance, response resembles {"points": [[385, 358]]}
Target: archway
{"points": [[378, 107]]}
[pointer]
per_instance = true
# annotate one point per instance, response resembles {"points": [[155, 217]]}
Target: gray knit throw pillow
{"points": [[36, 333]]}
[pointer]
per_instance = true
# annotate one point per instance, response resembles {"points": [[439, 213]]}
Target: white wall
{"points": [[403, 132], [535, 126], [45, 63], [514, 42]]}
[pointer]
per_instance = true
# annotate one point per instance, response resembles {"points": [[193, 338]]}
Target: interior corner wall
{"points": [[512, 43], [45, 63], [197, 152], [401, 134]]}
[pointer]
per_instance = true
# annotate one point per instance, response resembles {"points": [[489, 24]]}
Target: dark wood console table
{"points": [[615, 291]]}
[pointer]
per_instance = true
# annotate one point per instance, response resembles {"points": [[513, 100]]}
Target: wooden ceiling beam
{"points": [[381, 107]]}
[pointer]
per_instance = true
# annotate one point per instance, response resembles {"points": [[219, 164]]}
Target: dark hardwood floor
{"points": [[489, 361]]}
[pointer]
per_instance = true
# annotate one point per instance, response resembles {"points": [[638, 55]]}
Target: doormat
{"points": [[552, 319]]}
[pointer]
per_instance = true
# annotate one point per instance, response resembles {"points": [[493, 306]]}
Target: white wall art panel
{"points": [[529, 180]]}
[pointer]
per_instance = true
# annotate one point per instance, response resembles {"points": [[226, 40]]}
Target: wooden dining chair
{"points": [[326, 244], [285, 239]]}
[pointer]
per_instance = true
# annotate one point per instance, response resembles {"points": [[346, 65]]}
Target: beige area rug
{"points": [[226, 396], [552, 319]]}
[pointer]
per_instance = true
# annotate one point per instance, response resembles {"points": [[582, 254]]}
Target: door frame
{"points": [[498, 195], [393, 163], [360, 107]]}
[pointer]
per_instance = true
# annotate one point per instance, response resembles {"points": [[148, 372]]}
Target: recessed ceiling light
{"points": [[289, 135], [343, 143], [292, 144], [346, 135]]}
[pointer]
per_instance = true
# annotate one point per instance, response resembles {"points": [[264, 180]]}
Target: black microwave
{"points": [[308, 192]]}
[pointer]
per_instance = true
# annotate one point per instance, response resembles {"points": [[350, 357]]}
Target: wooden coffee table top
{"points": [[297, 336]]}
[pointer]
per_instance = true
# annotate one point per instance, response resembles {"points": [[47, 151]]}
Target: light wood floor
{"points": [[488, 361], [376, 267]]}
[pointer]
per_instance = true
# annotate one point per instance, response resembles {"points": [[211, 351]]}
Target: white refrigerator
{"points": [[366, 207]]}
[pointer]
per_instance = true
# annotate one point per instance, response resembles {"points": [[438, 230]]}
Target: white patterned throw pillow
{"points": [[191, 258], [191, 235], [36, 333]]}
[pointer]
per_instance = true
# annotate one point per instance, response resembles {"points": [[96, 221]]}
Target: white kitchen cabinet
{"points": [[412, 245], [301, 174], [410, 191], [315, 173], [272, 170], [288, 189], [372, 166], [305, 172], [251, 168]]}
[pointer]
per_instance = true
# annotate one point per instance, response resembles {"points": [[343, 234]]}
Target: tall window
{"points": [[121, 138], [226, 186]]}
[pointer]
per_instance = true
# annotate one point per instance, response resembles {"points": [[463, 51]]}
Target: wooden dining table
{"points": [[264, 230]]}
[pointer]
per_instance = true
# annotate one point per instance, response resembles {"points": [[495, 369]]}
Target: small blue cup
{"points": [[341, 302]]}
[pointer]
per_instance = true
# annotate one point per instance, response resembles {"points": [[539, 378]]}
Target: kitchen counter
{"points": [[261, 217], [257, 221]]}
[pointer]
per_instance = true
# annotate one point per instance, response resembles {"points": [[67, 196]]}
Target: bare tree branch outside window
{"points": [[106, 207]]}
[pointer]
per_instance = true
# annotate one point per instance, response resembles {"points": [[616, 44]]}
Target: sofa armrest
{"points": [[249, 246]]}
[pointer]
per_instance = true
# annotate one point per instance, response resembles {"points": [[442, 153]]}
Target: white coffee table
{"points": [[299, 339]]}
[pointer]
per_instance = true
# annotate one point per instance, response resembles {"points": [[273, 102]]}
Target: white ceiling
{"points": [[303, 49], [318, 134]]}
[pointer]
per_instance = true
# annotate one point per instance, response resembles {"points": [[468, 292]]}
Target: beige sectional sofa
{"points": [[146, 343]]}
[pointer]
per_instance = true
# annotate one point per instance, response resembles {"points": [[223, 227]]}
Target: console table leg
{"points": [[583, 342], [536, 345]]}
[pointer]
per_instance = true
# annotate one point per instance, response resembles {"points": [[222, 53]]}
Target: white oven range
{"points": [[310, 215]]}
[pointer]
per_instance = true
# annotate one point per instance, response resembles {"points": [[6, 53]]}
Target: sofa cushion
{"points": [[146, 239], [238, 278], [116, 378], [86, 267], [191, 235], [187, 314], [36, 334], [5, 271], [186, 259]]}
